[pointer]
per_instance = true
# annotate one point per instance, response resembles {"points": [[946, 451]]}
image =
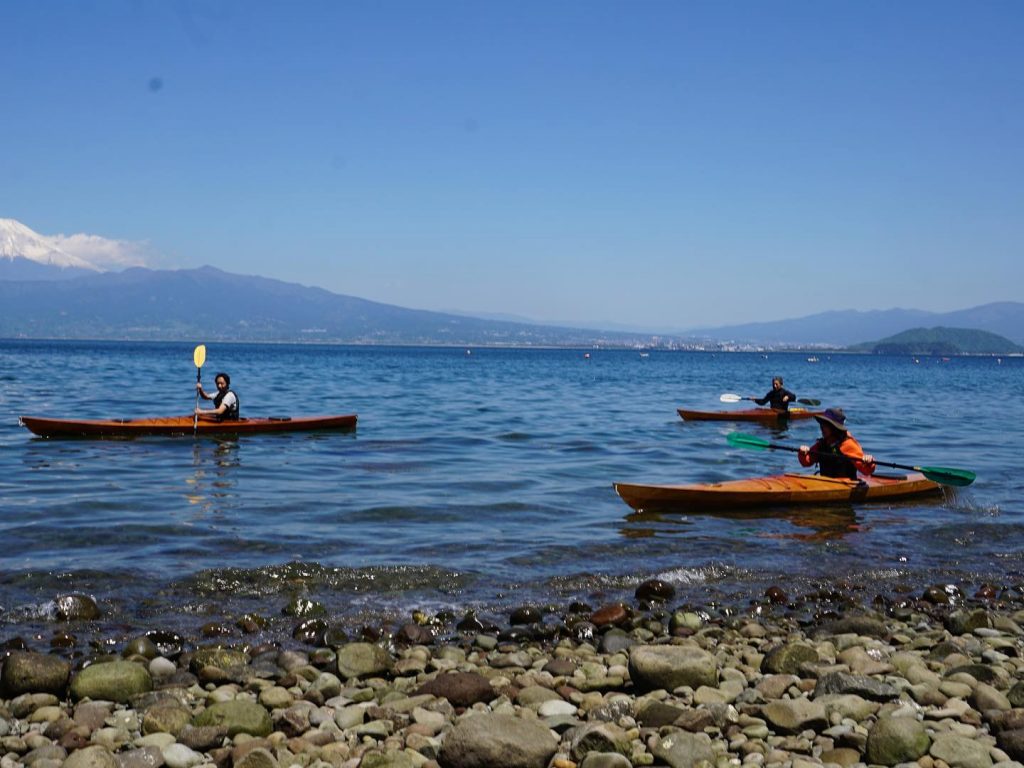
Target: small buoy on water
{"points": [[586, 355]]}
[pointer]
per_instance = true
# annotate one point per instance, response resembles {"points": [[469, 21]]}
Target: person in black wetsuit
{"points": [[225, 402], [778, 398]]}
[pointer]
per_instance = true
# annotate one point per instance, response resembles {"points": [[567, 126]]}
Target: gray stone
{"points": [[166, 718], [895, 740], [390, 759], [1012, 743], [363, 660], [985, 697], [462, 689], [25, 672], [795, 715], [487, 740], [146, 757], [960, 752], [858, 685], [260, 758], [671, 666], [787, 659], [237, 717], [599, 737], [111, 681], [605, 760], [655, 714], [682, 749], [91, 757]]}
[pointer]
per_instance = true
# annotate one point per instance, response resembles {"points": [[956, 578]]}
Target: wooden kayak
{"points": [[762, 415], [776, 490], [180, 425]]}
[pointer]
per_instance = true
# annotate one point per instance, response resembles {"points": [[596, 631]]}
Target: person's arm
{"points": [[787, 396], [806, 455], [864, 462], [202, 392], [762, 400]]}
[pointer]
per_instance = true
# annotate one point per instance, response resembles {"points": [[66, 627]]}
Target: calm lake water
{"points": [[478, 480]]}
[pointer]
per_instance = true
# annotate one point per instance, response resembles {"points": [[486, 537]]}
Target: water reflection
{"points": [[815, 524], [214, 476]]}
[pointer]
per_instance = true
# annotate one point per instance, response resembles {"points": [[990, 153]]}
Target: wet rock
{"points": [[486, 740], [614, 614], [655, 591], [76, 608], [357, 660], [26, 672], [219, 658], [671, 666], [237, 717], [111, 681], [414, 634], [776, 596], [965, 622], [462, 689], [894, 740], [525, 615]]}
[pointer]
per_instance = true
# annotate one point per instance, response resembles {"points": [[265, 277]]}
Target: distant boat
{"points": [[648, 354], [812, 359]]}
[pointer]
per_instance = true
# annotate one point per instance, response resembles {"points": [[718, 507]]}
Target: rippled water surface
{"points": [[478, 479]]}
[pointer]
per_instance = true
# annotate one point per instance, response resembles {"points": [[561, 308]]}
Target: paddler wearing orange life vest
{"points": [[836, 453]]}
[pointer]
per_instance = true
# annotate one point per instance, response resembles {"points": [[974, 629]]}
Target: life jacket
{"points": [[832, 462], [231, 412]]}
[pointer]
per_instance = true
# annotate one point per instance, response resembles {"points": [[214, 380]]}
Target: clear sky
{"points": [[650, 164]]}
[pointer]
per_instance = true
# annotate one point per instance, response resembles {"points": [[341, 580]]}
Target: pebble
{"points": [[629, 686]]}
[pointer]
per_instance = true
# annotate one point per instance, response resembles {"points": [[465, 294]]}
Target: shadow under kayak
{"points": [[775, 490], [762, 415], [181, 425]]}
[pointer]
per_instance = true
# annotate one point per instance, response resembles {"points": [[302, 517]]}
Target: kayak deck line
{"points": [[182, 426], [775, 490], [763, 415]]}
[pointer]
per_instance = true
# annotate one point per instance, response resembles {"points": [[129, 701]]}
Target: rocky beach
{"points": [[931, 680]]}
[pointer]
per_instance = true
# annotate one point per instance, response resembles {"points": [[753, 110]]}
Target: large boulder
{"points": [[237, 717], [25, 672], [488, 740], [671, 666], [111, 681], [893, 740]]}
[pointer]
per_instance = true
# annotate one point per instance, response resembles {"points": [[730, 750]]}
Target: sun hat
{"points": [[834, 416]]}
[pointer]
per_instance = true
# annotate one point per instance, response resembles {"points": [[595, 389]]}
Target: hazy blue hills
{"points": [[45, 301], [210, 304], [849, 327], [941, 341]]}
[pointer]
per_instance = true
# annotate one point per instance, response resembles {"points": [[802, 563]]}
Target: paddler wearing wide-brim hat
{"points": [[837, 453]]}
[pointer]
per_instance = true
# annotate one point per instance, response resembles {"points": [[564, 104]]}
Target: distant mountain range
{"points": [[848, 327], [48, 292]]}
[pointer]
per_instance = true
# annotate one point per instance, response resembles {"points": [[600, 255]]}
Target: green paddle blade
{"points": [[947, 476], [740, 440]]}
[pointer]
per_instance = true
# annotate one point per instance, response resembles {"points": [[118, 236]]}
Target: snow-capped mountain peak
{"points": [[17, 240]]}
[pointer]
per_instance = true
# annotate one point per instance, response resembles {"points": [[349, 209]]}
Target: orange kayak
{"points": [[180, 425], [776, 490], [762, 415]]}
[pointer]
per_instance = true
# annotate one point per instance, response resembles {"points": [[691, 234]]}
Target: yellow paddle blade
{"points": [[199, 356]]}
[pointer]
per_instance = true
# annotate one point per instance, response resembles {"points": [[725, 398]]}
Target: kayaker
{"points": [[225, 402], [778, 397], [836, 453]]}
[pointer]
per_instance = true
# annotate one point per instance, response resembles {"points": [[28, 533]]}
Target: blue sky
{"points": [[648, 164]]}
